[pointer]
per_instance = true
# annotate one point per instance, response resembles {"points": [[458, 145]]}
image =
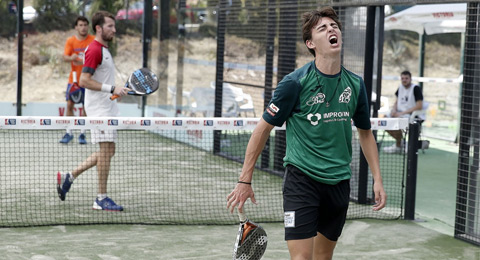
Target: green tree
{"points": [[111, 6], [7, 19], [55, 15]]}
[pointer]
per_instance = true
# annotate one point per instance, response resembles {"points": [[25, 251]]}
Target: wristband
{"points": [[106, 88], [243, 182]]}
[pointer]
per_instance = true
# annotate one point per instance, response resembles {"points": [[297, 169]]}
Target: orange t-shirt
{"points": [[73, 45]]}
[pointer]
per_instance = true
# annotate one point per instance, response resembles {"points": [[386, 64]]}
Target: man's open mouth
{"points": [[333, 39]]}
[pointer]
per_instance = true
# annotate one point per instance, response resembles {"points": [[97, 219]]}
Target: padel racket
{"points": [[251, 240], [142, 82], [75, 92]]}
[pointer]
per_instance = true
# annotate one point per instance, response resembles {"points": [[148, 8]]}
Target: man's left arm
{"points": [[369, 148]]}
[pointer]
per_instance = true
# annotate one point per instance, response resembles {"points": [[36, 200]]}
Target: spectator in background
{"points": [[409, 99], [74, 52]]}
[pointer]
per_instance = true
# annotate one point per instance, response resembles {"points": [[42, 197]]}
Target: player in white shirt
{"points": [[98, 77]]}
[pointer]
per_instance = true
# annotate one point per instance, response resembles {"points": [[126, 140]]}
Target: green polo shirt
{"points": [[318, 110]]}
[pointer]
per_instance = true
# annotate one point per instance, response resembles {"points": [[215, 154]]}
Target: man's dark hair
{"points": [[406, 72], [80, 18], [99, 19], [310, 19]]}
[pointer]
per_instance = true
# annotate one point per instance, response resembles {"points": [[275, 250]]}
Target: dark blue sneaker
{"points": [[66, 138], [82, 139], [106, 204], [63, 184]]}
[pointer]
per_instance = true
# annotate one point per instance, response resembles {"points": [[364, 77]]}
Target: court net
{"points": [[164, 171]]}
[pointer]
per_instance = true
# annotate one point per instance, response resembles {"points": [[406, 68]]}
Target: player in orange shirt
{"points": [[73, 53]]}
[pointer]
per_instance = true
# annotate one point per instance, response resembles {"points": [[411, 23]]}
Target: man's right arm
{"points": [[70, 58], [394, 111], [68, 55], [254, 148], [86, 81], [243, 190]]}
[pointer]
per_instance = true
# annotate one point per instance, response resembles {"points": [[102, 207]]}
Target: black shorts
{"points": [[312, 207]]}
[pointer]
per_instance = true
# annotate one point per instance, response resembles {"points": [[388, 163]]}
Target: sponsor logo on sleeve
{"points": [[272, 109]]}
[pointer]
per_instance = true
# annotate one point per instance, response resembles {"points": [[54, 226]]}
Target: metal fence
{"points": [[468, 196]]}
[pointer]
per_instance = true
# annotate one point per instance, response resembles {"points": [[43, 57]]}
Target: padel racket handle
{"points": [[113, 97], [241, 216]]}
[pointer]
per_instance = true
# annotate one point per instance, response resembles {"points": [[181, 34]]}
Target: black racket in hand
{"points": [[142, 82], [251, 240]]}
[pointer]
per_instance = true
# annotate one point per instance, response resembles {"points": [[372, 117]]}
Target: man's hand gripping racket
{"points": [[251, 240], [142, 82]]}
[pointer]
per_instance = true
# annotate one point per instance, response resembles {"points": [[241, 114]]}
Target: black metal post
{"points": [[466, 116], [412, 159], [379, 58], [221, 28], [368, 78], [180, 55], [270, 52], [146, 40], [19, 56], [421, 55], [286, 63], [162, 58]]}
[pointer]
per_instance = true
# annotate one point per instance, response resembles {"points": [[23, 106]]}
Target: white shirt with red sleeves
{"points": [[99, 63]]}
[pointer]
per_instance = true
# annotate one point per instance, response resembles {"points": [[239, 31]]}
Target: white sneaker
{"points": [[393, 149]]}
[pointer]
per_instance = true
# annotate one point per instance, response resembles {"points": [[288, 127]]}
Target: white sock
{"points": [[101, 196], [83, 131], [69, 131]]}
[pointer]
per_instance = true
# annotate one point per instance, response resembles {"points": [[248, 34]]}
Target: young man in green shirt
{"points": [[318, 103]]}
